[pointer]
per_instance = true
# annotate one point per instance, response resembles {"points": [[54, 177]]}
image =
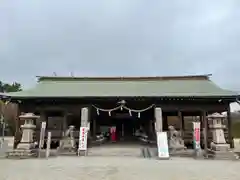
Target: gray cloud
{"points": [[120, 37]]}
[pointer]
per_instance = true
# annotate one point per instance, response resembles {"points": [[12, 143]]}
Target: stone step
{"points": [[116, 151], [21, 154]]}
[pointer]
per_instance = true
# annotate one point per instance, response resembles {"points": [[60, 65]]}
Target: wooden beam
{"points": [[194, 107]]}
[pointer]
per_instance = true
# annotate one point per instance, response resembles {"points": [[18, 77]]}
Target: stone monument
{"points": [[219, 148], [68, 144], [26, 147]]}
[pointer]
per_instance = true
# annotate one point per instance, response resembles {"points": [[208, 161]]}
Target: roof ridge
{"points": [[184, 77]]}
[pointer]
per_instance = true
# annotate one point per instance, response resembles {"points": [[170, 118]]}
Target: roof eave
{"points": [[233, 97]]}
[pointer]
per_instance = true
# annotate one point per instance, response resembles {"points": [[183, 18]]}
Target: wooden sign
{"points": [[162, 144]]}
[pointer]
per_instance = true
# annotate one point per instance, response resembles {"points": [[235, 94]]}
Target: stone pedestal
{"points": [[219, 148], [26, 147]]}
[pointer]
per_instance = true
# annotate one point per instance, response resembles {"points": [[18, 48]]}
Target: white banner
{"points": [[196, 135], [83, 139], [162, 144]]}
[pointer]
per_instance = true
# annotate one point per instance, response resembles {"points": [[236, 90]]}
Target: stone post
{"points": [[48, 149], [158, 118], [84, 123], [84, 117]]}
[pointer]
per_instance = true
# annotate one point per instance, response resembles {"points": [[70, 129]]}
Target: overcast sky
{"points": [[120, 38]]}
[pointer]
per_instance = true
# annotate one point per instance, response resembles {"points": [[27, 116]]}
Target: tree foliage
{"points": [[9, 111], [14, 87]]}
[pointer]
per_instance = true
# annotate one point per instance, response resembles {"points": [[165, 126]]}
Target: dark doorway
{"points": [[125, 127], [128, 125]]}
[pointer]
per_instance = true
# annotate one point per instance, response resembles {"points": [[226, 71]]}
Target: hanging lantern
{"points": [[139, 115], [97, 111], [109, 113], [130, 112]]}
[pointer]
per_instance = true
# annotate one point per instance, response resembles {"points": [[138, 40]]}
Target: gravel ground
{"points": [[124, 168]]}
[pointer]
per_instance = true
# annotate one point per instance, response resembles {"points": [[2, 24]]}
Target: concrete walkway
{"points": [[116, 168]]}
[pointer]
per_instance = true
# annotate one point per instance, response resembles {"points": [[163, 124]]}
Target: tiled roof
{"points": [[170, 86]]}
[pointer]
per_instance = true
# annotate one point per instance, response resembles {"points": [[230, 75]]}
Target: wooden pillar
{"points": [[180, 118], [202, 129], [64, 123], [165, 123], [94, 125], [150, 128], [229, 124], [18, 134], [42, 116], [183, 123], [205, 132]]}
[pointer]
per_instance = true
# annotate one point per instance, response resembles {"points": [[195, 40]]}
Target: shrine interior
{"points": [[127, 124]]}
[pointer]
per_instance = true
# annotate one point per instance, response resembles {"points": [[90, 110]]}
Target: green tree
{"points": [[9, 111], [14, 87]]}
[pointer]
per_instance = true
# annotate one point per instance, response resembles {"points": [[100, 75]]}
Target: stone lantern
{"points": [[219, 148], [216, 124], [28, 127], [26, 147]]}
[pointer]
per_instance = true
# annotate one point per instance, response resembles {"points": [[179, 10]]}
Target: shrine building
{"points": [[127, 103]]}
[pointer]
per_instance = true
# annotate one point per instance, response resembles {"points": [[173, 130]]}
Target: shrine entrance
{"points": [[125, 126], [129, 126]]}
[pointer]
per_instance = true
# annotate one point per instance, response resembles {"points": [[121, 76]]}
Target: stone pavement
{"points": [[116, 168]]}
